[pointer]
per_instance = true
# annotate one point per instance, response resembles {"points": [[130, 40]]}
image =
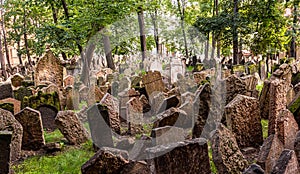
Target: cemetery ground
{"points": [[205, 120]]}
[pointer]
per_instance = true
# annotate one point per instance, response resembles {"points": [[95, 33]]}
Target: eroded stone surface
{"points": [[287, 163]]}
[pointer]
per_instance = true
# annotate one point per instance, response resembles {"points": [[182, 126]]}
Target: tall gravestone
{"points": [[48, 114], [176, 68], [49, 69]]}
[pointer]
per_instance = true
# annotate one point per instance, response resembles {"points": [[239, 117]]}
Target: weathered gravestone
{"points": [[180, 157], [168, 103], [234, 86], [49, 69], [113, 110], [5, 149], [70, 126], [69, 80], [6, 91], [251, 81], [269, 153], [264, 100], [243, 119], [106, 160], [9, 123], [225, 152], [171, 117], [201, 109], [176, 68], [166, 135], [287, 163], [135, 116], [33, 133], [254, 169], [48, 114], [16, 104], [16, 80], [100, 126], [153, 82], [287, 128], [135, 167], [277, 103], [21, 93]]}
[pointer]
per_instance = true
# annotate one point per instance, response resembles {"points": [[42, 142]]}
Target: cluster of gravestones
{"points": [[29, 107]]}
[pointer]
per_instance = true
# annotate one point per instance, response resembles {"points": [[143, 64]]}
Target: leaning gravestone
{"points": [[234, 86], [153, 82], [225, 152], [176, 68], [287, 163], [180, 157], [269, 153], [264, 100], [70, 126], [21, 93], [48, 114], [49, 69], [6, 91], [243, 119], [33, 133], [100, 127], [5, 149], [8, 122], [134, 115], [287, 128], [166, 135], [254, 169]]}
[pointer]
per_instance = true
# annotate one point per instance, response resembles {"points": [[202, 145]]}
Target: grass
{"points": [[53, 136], [265, 124], [212, 164], [67, 162]]}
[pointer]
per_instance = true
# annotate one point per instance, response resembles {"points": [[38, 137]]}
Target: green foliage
{"points": [[265, 124], [66, 162]]}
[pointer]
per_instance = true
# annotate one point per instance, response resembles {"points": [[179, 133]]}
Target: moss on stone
{"points": [[35, 101], [7, 106]]}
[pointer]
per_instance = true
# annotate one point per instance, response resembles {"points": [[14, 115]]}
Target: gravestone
{"points": [[264, 100], [180, 157], [243, 119], [238, 70], [21, 93], [297, 146], [5, 149], [262, 69], [16, 80], [254, 169], [251, 82], [100, 126], [69, 80], [49, 69], [106, 160], [48, 114], [124, 84], [176, 68], [135, 167], [9, 123], [269, 153], [156, 99], [153, 82], [70, 126], [287, 163], [134, 116], [6, 91], [156, 66], [201, 106], [234, 86], [171, 117], [277, 103], [33, 132], [287, 128], [168, 103], [16, 103], [112, 105], [225, 152], [166, 135]]}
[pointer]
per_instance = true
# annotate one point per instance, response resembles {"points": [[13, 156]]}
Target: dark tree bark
{"points": [[18, 44], [206, 47], [108, 52], [156, 37], [66, 10], [4, 40], [142, 33], [3, 68], [235, 34], [293, 46], [217, 35], [25, 39]]}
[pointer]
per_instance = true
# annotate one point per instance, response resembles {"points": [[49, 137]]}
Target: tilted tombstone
{"points": [[5, 149], [166, 135], [287, 163], [100, 127], [225, 152], [269, 153], [9, 123], [176, 68], [243, 119], [6, 91], [135, 116], [178, 157], [33, 132], [49, 68], [153, 82], [70, 126]]}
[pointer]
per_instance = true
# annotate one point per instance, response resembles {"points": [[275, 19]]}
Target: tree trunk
{"points": [[142, 33], [65, 8], [181, 13], [207, 47], [156, 37], [293, 41], [217, 35], [25, 40], [4, 39], [18, 43], [2, 60], [108, 51], [235, 34], [87, 60]]}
